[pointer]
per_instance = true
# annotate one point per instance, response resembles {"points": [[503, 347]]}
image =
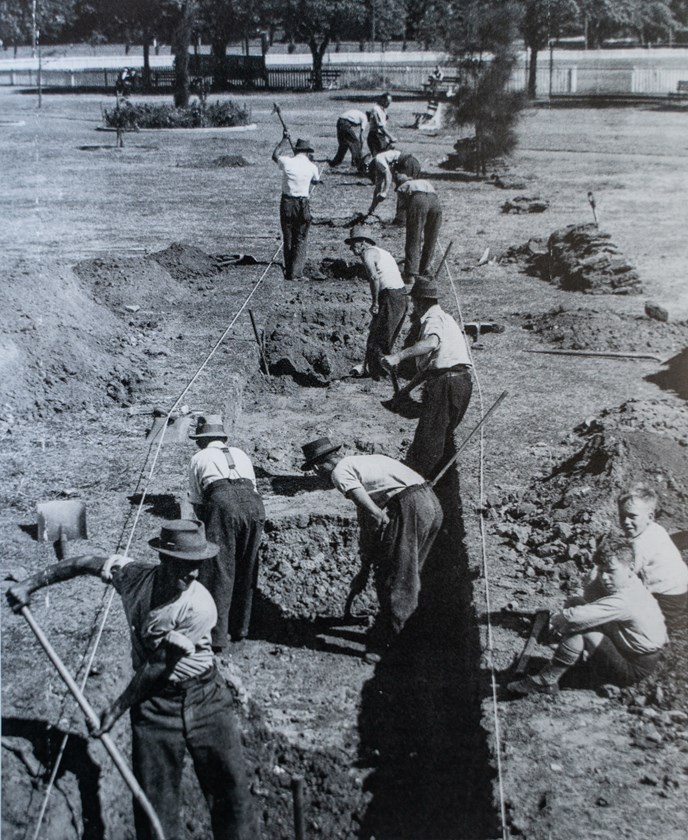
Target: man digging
{"points": [[421, 206], [351, 126], [399, 516], [444, 366], [177, 699], [389, 301], [298, 173], [222, 489]]}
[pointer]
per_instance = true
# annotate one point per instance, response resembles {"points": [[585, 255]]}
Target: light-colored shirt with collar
{"points": [[452, 349], [382, 266], [211, 464], [193, 614], [298, 172], [355, 117], [380, 476], [658, 562], [416, 185], [378, 116]]}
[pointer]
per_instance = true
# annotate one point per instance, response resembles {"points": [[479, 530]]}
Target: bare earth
{"points": [[103, 320]]}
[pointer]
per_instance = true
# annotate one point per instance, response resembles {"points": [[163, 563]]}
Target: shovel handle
{"points": [[92, 717]]}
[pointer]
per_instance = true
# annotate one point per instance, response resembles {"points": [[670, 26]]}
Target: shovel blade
{"points": [[64, 518], [176, 431]]}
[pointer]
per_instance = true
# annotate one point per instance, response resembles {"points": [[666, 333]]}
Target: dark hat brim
{"points": [[352, 239], [308, 465], [211, 550], [209, 434]]}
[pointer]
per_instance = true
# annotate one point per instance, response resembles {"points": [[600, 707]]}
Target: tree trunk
{"points": [[532, 74], [146, 61], [180, 50], [317, 53], [219, 51]]}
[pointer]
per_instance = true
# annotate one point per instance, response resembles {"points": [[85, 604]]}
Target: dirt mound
{"points": [[552, 528], [61, 351], [185, 262], [334, 268], [122, 282], [579, 258], [525, 204], [593, 329], [230, 160]]}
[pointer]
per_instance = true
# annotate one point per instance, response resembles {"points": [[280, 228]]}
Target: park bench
{"points": [[162, 78], [447, 85], [330, 79], [681, 91]]}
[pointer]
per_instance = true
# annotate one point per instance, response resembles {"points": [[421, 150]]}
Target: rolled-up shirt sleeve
{"points": [[584, 617]]}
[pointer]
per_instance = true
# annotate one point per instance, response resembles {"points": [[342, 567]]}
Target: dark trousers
{"points": [[233, 515], [377, 142], [399, 553], [198, 717], [349, 139], [385, 328], [674, 609], [423, 222], [445, 400], [607, 664], [295, 218]]}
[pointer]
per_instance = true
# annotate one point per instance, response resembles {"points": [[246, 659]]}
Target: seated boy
{"points": [[617, 627], [657, 560]]}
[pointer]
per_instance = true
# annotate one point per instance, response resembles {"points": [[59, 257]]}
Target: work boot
{"points": [[532, 685]]}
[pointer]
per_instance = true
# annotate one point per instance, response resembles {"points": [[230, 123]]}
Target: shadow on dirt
{"points": [[675, 376], [163, 505], [420, 714], [45, 741]]}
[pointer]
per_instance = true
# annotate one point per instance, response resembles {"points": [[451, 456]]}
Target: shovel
{"points": [[60, 521]]}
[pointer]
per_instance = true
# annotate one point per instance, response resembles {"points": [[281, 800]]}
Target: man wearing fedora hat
{"points": [[442, 356], [399, 516], [388, 299], [177, 699], [222, 489], [298, 173]]}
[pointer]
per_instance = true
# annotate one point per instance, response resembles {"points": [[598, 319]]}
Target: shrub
{"points": [[145, 115]]}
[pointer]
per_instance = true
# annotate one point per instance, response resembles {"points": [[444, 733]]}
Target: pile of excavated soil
{"points": [[231, 160], [125, 283], [594, 329], [578, 258], [185, 262], [62, 351], [335, 268]]}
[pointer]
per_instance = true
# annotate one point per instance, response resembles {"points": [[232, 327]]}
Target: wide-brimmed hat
{"points": [[425, 290], [303, 146], [357, 235], [317, 449], [209, 426], [184, 539]]}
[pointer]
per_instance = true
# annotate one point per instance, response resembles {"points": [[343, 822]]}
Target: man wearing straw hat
{"points": [[298, 173], [444, 365], [177, 699], [222, 489], [389, 301], [399, 516]]}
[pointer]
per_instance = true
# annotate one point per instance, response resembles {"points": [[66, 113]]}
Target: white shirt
{"points": [[416, 185], [658, 562], [298, 172], [210, 464], [378, 116], [381, 265], [383, 171], [452, 349], [380, 476], [355, 118]]}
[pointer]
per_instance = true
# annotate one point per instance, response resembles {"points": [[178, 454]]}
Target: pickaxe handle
{"points": [[443, 260], [87, 709], [276, 108]]}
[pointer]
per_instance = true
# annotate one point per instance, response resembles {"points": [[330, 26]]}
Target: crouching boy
{"points": [[658, 562], [617, 627]]}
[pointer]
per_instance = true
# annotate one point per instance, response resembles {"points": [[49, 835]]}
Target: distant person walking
{"points": [[379, 136], [298, 173], [351, 126]]}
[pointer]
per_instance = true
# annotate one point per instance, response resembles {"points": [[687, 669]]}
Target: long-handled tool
{"points": [[443, 261], [593, 205], [259, 342], [277, 110], [466, 439], [297, 796], [540, 623], [92, 717], [60, 521]]}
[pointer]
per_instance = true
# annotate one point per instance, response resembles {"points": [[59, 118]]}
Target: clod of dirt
{"points": [[579, 258], [230, 160], [525, 204], [593, 329], [185, 262]]}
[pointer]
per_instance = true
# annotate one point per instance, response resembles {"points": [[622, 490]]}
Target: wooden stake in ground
{"points": [[591, 199]]}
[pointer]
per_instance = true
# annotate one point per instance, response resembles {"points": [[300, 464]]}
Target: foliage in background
{"points": [[216, 115]]}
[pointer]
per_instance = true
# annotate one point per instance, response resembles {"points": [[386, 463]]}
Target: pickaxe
{"points": [[276, 110]]}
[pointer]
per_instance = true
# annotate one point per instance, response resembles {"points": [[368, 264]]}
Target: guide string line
{"points": [[485, 570], [109, 594]]}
